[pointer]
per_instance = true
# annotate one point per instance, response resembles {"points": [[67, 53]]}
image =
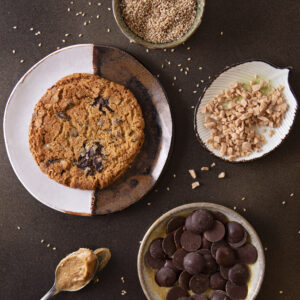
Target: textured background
{"points": [[252, 29]]}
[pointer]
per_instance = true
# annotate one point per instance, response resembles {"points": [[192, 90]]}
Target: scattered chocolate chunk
{"points": [[156, 249], [103, 103], [165, 277], [219, 295], [193, 263], [235, 232], [184, 279], [199, 283], [175, 223], [153, 262], [190, 241], [235, 291], [177, 237], [216, 232], [217, 282], [62, 115], [178, 258], [225, 256], [176, 292], [202, 220], [168, 245], [238, 274], [247, 254], [52, 161]]}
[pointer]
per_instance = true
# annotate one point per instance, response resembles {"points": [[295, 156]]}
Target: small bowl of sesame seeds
{"points": [[158, 24], [246, 112]]}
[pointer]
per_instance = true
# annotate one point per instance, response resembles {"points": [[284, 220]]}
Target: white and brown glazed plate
{"points": [[112, 64], [245, 72], [158, 229]]}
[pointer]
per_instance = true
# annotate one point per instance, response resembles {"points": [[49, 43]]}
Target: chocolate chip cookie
{"points": [[86, 131]]}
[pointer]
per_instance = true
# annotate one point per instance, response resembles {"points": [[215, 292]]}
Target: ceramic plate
{"points": [[244, 73], [146, 275], [110, 63]]}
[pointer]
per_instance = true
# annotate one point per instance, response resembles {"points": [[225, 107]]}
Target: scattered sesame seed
{"points": [[18, 227], [57, 48], [69, 9], [157, 75], [202, 81], [83, 14], [108, 30], [283, 202], [71, 2], [175, 78], [149, 203], [197, 85], [48, 245], [174, 175], [195, 184], [204, 168], [123, 279], [155, 191], [213, 165], [90, 3], [179, 90], [244, 209], [173, 83], [15, 27], [40, 44], [188, 48], [280, 292], [99, 4], [165, 50], [96, 280], [266, 248], [21, 61], [172, 50], [67, 34], [123, 292], [292, 195], [63, 41], [31, 29], [298, 231], [189, 59], [234, 207], [13, 51], [193, 173], [209, 77], [181, 69], [109, 9], [179, 65], [222, 175], [54, 248], [200, 68], [131, 41], [42, 241], [169, 62], [194, 92], [80, 34], [147, 50], [221, 33], [168, 189], [192, 107], [243, 198], [162, 66], [37, 33], [185, 72], [97, 17], [187, 68], [84, 23]]}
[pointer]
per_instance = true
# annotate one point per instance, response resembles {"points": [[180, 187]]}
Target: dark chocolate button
{"points": [[188, 223], [184, 279], [216, 233], [178, 258], [199, 283], [235, 291], [224, 272], [217, 282], [177, 236], [203, 251], [190, 241], [220, 217], [198, 297], [168, 244], [165, 277], [235, 232], [225, 257], [201, 220], [175, 223], [219, 295], [169, 263], [205, 243], [241, 242], [193, 263], [176, 292], [238, 274], [153, 263], [215, 246], [156, 249], [210, 264], [247, 254]]}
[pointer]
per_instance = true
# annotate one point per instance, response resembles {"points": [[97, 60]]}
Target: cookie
{"points": [[86, 131]]}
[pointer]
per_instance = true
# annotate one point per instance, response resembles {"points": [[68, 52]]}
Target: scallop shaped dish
{"points": [[146, 275], [245, 72], [138, 40]]}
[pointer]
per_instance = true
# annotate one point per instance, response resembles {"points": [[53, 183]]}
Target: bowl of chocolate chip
{"points": [[201, 251]]}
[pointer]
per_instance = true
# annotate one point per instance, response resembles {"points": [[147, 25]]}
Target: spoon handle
{"points": [[52, 292]]}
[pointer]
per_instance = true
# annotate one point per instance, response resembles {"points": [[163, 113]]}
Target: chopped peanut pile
{"points": [[234, 116]]}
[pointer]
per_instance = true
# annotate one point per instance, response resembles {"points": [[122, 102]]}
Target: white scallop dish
{"points": [[244, 73]]}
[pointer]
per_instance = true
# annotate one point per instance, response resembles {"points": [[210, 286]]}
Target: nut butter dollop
{"points": [[76, 270]]}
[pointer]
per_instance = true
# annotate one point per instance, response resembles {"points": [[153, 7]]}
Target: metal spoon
{"points": [[103, 257]]}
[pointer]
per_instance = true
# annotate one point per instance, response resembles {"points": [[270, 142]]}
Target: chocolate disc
{"points": [[210, 264], [198, 297], [178, 258], [156, 249], [165, 277], [216, 233], [235, 232], [220, 217], [247, 254], [238, 274], [175, 223], [177, 236], [176, 292], [241, 242], [235, 291], [217, 282], [193, 263], [202, 220], [190, 241], [188, 223], [224, 272], [225, 257], [184, 279], [199, 283], [215, 246], [219, 295], [168, 245], [169, 263], [203, 251], [205, 243], [154, 263]]}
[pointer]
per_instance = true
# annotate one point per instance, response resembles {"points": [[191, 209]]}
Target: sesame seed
{"points": [[123, 292], [192, 107], [83, 14], [40, 44], [85, 23], [42, 241], [188, 48], [204, 168], [280, 292], [109, 9], [172, 50], [63, 41], [147, 50], [69, 9], [213, 165], [13, 51], [18, 227], [187, 68], [292, 195], [90, 3], [21, 61], [37, 33], [157, 75], [173, 83], [266, 249], [174, 175], [149, 203], [162, 66], [15, 27], [57, 48], [244, 209], [185, 72], [31, 29], [189, 59], [222, 175], [181, 70], [202, 81], [54, 248], [99, 4], [195, 184], [197, 85], [168, 189], [48, 245], [97, 17], [71, 2], [234, 207], [179, 65], [175, 78], [179, 90], [165, 50], [243, 198], [80, 34], [155, 191], [123, 279], [194, 92], [67, 34], [200, 68], [108, 30], [193, 173], [221, 33], [283, 202]]}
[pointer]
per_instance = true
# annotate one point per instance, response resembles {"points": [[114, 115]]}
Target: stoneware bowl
{"points": [[112, 64], [146, 275], [133, 38], [244, 72]]}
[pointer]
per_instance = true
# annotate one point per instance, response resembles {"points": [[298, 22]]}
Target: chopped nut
{"points": [[213, 165], [123, 292], [195, 184], [123, 279], [204, 168], [222, 175], [193, 173]]}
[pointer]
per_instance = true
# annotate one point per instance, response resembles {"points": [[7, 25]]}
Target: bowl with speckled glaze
{"points": [[146, 275], [133, 38]]}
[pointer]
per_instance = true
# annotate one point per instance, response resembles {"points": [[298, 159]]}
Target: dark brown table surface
{"points": [[267, 30]]}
